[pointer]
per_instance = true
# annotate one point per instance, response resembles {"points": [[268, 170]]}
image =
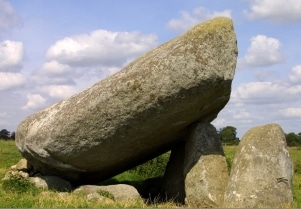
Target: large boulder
{"points": [[262, 170], [137, 113], [118, 192], [205, 168]]}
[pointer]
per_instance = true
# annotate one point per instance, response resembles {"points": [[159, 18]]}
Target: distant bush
{"points": [[152, 168], [293, 139]]}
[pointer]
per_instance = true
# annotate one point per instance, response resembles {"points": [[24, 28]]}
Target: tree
{"points": [[4, 134], [228, 135], [293, 139], [13, 135]]}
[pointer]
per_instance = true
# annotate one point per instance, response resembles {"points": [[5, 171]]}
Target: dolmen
{"points": [[164, 100], [138, 113]]}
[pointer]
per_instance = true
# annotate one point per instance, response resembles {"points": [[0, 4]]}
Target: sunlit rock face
{"points": [[262, 170], [137, 113]]}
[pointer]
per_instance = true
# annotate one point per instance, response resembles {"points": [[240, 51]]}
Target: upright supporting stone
{"points": [[172, 188], [262, 170], [197, 171], [205, 167]]}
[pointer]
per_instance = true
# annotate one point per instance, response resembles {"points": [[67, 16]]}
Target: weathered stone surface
{"points": [[23, 165], [95, 197], [51, 182], [197, 170], [139, 112], [262, 170], [120, 192], [205, 167], [13, 174]]}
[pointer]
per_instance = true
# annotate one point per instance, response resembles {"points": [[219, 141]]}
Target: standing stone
{"points": [[205, 168], [197, 170], [137, 113], [172, 187], [262, 170]]}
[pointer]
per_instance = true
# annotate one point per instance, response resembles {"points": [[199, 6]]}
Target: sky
{"points": [[52, 49]]}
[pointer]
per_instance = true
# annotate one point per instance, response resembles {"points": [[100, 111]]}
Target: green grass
{"points": [[21, 194], [9, 155], [295, 154], [13, 194]]}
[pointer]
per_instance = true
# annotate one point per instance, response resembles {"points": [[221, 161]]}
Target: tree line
{"points": [[7, 135], [226, 134], [228, 137]]}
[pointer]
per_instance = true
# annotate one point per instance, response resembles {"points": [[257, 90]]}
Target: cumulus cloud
{"points": [[53, 73], [263, 51], [295, 76], [189, 19], [279, 11], [8, 17], [10, 80], [100, 48], [291, 112], [53, 68], [59, 91], [266, 93], [34, 101], [264, 75], [242, 115], [11, 55]]}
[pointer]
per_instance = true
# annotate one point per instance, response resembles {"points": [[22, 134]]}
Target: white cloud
{"points": [[219, 122], [10, 80], [189, 19], [263, 51], [266, 93], [242, 115], [54, 68], [291, 112], [59, 91], [55, 73], [264, 75], [100, 48], [11, 55], [40, 80], [295, 76], [288, 11], [8, 16], [34, 101]]}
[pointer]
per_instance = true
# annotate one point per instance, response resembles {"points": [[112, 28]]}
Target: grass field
{"points": [[34, 198]]}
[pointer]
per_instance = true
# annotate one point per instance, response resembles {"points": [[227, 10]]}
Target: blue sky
{"points": [[52, 49]]}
